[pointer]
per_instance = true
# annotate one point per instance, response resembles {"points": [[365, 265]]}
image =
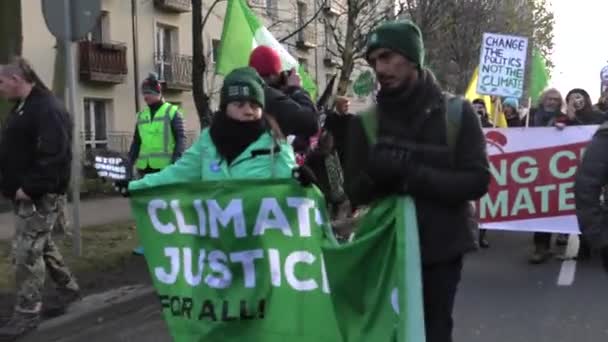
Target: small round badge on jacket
{"points": [[214, 167]]}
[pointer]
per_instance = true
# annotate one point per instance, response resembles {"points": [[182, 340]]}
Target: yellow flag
{"points": [[471, 94]]}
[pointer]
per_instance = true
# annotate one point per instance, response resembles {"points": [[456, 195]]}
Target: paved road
{"points": [[94, 212], [502, 299]]}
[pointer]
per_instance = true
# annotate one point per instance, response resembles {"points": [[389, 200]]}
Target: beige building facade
{"points": [[123, 49]]}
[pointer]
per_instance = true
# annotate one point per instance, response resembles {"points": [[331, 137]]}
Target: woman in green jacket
{"points": [[241, 143]]}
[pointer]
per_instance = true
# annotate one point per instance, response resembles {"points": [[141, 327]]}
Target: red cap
{"points": [[265, 60]]}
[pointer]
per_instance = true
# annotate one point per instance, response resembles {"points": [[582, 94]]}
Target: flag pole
{"points": [[495, 110], [529, 111]]}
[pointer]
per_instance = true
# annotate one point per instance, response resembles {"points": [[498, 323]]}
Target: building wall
{"points": [[39, 48]]}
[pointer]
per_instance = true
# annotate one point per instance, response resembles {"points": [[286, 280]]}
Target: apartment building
{"points": [[122, 49], [109, 67]]}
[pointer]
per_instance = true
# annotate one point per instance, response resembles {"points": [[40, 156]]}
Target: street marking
{"points": [[567, 272]]}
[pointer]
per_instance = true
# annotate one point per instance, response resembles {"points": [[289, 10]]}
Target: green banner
{"points": [[253, 261], [379, 273]]}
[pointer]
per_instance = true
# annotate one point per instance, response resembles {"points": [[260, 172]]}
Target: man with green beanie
{"points": [[421, 142], [159, 138]]}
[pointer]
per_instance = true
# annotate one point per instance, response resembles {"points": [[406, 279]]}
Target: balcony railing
{"points": [[305, 39], [103, 62], [175, 6], [175, 71], [120, 141]]}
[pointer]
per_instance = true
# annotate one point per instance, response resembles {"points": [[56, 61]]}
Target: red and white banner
{"points": [[533, 172]]}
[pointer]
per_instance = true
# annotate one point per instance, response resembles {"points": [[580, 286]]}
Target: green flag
{"points": [[378, 274], [254, 261], [242, 33], [539, 75]]}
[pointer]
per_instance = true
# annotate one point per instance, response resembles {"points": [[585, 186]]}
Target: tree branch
{"points": [[215, 2], [282, 40]]}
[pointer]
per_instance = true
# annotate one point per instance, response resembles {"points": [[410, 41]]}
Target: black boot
{"points": [[584, 250], [66, 297], [483, 242], [19, 325]]}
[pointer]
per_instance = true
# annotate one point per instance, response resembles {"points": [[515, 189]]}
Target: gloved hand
{"points": [[388, 163], [304, 175], [122, 187], [604, 256]]}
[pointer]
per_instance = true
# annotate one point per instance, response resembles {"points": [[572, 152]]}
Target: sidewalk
{"points": [[93, 212]]}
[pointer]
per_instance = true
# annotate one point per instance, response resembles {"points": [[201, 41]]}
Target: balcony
{"points": [[334, 7], [330, 60], [304, 40], [102, 62], [174, 6], [175, 71]]}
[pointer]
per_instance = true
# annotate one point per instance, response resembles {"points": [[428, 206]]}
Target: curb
{"points": [[94, 310]]}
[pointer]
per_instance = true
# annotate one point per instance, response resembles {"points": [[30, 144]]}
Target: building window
{"points": [[302, 14], [215, 52], [303, 62], [166, 48], [271, 8], [328, 78], [101, 31], [95, 123]]}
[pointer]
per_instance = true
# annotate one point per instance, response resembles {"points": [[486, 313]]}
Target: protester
{"points": [[580, 110], [479, 106], [590, 185], [602, 103], [35, 160], [511, 109], [286, 101], [412, 156], [337, 123], [548, 110], [159, 139], [242, 142], [548, 113]]}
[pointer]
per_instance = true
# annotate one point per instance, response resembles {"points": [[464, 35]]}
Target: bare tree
{"points": [[199, 63], [453, 29], [349, 30]]}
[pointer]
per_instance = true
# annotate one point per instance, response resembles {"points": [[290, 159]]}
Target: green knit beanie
{"points": [[401, 36], [243, 84]]}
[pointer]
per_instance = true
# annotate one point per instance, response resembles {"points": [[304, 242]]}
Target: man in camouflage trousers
{"points": [[34, 177]]}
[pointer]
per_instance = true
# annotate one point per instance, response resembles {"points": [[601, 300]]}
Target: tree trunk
{"points": [[348, 60], [201, 99], [11, 38]]}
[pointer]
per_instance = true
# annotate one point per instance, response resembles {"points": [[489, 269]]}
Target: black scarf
{"points": [[232, 137], [404, 109]]}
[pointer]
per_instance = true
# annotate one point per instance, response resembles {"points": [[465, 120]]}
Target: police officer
{"points": [[159, 138], [35, 159]]}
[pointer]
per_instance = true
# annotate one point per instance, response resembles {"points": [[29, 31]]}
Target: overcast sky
{"points": [[581, 44]]}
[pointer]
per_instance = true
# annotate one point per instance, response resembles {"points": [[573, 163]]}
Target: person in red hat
{"points": [[286, 100]]}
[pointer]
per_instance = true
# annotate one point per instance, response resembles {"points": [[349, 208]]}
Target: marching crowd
{"points": [[417, 140]]}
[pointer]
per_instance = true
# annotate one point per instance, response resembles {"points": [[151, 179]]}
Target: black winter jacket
{"points": [[443, 182], [293, 110], [591, 182], [36, 147]]}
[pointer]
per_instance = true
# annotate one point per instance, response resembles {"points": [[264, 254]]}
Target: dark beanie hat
{"points": [[151, 85], [243, 84], [401, 36], [265, 60]]}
